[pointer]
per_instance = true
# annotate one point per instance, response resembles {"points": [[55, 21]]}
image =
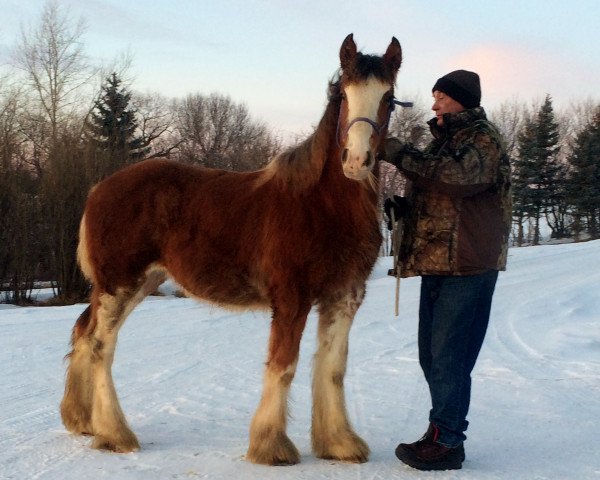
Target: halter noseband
{"points": [[378, 128]]}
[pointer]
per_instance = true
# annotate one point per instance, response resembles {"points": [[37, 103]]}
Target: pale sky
{"points": [[276, 57]]}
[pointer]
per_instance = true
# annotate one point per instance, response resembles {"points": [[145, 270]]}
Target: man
{"points": [[456, 238]]}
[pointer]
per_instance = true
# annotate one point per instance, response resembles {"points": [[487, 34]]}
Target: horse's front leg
{"points": [[332, 435], [269, 443]]}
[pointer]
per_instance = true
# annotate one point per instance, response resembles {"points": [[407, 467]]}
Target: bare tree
{"points": [[20, 211], [577, 115], [572, 119], [52, 58], [156, 123], [56, 82], [509, 118], [9, 107], [409, 125], [216, 132], [64, 187]]}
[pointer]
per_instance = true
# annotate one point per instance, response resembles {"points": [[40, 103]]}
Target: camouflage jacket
{"points": [[461, 203]]}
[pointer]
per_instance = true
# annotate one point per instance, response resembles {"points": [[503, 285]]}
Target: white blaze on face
{"points": [[363, 101]]}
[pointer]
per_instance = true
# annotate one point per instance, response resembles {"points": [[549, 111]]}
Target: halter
{"points": [[378, 128]]}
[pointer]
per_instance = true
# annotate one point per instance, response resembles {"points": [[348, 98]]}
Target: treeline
{"points": [[65, 125], [555, 158]]}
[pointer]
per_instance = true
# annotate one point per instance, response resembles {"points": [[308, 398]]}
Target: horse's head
{"points": [[367, 90]]}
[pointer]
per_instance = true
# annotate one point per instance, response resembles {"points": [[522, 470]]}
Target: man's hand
{"points": [[394, 151], [398, 205]]}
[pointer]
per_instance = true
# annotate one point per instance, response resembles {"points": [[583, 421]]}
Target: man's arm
{"points": [[471, 170]]}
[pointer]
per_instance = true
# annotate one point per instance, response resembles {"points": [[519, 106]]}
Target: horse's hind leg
{"points": [[91, 362], [332, 435], [269, 443]]}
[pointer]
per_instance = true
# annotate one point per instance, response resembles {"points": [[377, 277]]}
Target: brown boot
{"points": [[428, 454]]}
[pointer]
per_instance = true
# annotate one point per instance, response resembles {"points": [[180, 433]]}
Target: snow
{"points": [[189, 378]]}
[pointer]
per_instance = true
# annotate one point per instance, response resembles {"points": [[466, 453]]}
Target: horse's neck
{"points": [[325, 146], [301, 167], [325, 150]]}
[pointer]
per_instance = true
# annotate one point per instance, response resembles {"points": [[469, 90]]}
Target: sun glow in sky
{"points": [[276, 56]]}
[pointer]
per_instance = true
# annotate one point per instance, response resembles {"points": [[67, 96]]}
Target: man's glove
{"points": [[394, 150], [398, 205]]}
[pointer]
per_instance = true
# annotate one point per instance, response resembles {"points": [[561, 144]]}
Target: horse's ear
{"points": [[348, 51], [393, 54]]}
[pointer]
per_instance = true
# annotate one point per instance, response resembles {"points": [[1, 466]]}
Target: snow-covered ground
{"points": [[189, 379]]}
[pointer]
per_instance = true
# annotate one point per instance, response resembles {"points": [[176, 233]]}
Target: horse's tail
{"points": [[81, 325], [83, 252]]}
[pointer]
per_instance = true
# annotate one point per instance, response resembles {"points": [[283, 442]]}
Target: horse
{"points": [[301, 232]]}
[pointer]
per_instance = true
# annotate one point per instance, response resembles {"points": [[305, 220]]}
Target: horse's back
{"points": [[161, 213], [151, 191], [148, 177]]}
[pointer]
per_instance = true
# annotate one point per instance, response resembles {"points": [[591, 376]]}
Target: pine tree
{"points": [[539, 174], [584, 181], [523, 176], [552, 175], [111, 128]]}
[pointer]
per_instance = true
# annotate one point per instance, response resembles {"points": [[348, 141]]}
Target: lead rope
{"points": [[398, 228], [396, 239]]}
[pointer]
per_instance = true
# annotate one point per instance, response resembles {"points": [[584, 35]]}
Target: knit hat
{"points": [[462, 86]]}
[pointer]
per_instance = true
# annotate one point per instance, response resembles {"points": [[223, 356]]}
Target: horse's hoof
{"points": [[348, 448], [276, 449], [78, 428], [125, 445]]}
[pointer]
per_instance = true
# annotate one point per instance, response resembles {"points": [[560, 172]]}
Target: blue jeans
{"points": [[453, 317]]}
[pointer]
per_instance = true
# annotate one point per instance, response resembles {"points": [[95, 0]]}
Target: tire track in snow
{"points": [[535, 366], [520, 345]]}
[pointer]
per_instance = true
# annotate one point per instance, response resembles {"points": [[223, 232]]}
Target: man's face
{"points": [[442, 104]]}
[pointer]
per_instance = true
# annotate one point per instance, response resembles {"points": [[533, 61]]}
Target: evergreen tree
{"points": [[539, 174], [523, 176], [584, 182], [111, 128], [552, 175]]}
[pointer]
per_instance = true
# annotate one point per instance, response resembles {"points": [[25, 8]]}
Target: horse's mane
{"points": [[300, 166]]}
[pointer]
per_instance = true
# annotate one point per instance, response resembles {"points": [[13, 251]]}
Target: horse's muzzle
{"points": [[357, 166]]}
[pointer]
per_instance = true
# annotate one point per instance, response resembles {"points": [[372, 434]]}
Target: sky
{"points": [[189, 392], [276, 57]]}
